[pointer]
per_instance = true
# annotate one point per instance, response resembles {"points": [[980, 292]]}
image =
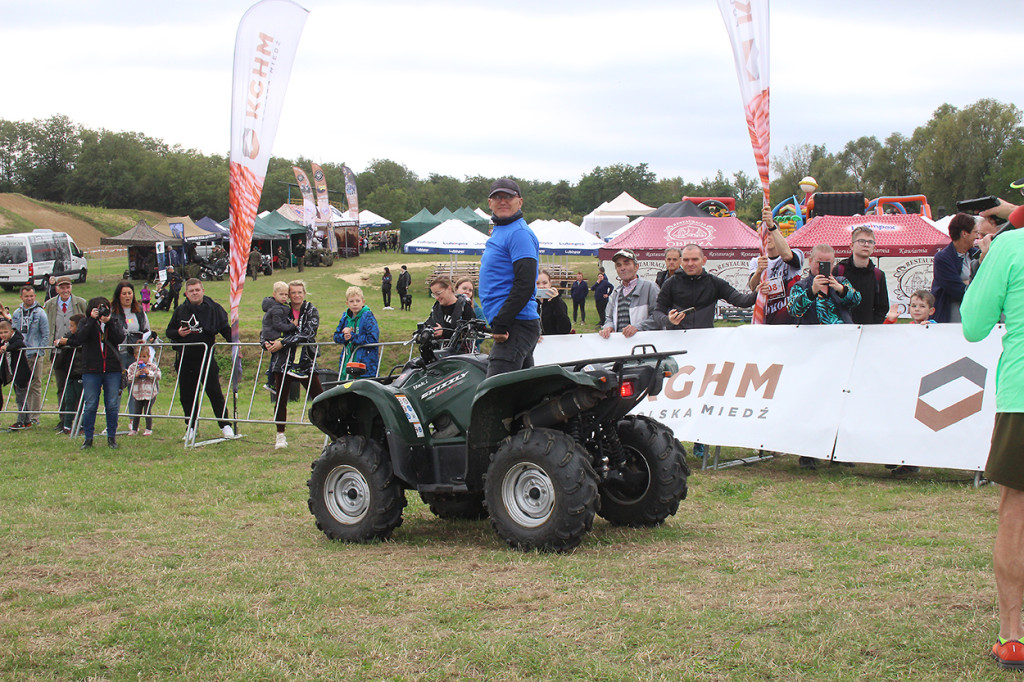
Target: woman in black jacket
{"points": [[554, 314], [98, 337]]}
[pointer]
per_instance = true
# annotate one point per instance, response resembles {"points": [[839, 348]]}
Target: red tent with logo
{"points": [[721, 238], [896, 235]]}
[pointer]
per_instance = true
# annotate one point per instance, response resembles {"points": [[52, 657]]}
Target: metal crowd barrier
{"points": [[166, 406]]}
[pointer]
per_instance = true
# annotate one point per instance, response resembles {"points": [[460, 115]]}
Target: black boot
{"points": [[112, 443], [86, 444]]}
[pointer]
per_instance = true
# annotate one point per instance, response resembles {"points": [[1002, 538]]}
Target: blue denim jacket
{"points": [[33, 324]]}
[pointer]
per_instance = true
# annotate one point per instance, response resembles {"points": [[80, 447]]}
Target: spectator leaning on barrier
{"points": [[632, 302], [695, 288], [508, 276], [822, 298], [578, 294], [68, 362], [998, 290], [294, 356], [12, 350], [784, 265], [866, 278], [30, 319], [356, 328], [951, 269], [59, 311], [673, 259], [199, 320]]}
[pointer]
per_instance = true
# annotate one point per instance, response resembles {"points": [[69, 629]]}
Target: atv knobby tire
{"points": [[646, 488], [352, 492], [540, 491], [456, 505]]}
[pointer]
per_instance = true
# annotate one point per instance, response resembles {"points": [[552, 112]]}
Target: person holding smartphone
{"points": [[822, 297]]}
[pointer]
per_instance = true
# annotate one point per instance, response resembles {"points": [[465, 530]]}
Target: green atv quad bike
{"points": [[539, 451]]}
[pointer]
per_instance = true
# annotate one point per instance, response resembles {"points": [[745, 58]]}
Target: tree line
{"points": [[957, 154]]}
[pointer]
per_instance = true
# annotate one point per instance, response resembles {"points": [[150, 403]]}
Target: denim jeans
{"points": [[91, 384], [517, 351]]}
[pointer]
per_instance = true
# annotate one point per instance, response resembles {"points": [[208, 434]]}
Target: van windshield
{"points": [[12, 252]]}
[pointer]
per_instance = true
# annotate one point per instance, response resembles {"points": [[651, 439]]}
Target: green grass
{"points": [[155, 562]]}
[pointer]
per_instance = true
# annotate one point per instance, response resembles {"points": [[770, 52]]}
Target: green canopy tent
{"points": [[473, 219], [418, 225]]}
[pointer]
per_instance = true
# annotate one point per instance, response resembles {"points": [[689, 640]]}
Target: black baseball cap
{"points": [[504, 185]]}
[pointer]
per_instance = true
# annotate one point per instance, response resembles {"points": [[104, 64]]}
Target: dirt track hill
{"points": [[84, 234]]}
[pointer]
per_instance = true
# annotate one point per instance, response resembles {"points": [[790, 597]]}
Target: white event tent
{"points": [[613, 215]]}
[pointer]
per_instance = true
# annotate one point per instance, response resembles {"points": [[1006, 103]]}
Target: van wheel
{"points": [[81, 277], [8, 287]]}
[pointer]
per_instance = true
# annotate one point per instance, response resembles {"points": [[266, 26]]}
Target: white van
{"points": [[31, 257]]}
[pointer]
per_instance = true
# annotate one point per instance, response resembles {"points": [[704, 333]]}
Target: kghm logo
{"points": [[945, 385]]}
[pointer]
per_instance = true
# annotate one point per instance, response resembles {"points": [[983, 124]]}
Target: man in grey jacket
{"points": [[30, 319], [632, 302]]}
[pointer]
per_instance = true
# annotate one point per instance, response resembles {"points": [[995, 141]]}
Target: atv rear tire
{"points": [[456, 505], [540, 491], [352, 492], [645, 489]]}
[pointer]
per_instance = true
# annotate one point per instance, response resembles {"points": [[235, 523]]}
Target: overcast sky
{"points": [[544, 90]]}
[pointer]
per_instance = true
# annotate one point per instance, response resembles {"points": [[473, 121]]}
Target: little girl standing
{"points": [[144, 377], [144, 297]]}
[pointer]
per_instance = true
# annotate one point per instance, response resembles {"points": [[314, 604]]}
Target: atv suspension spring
{"points": [[611, 446]]}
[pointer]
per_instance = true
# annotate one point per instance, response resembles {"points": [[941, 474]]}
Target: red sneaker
{"points": [[1009, 654]]}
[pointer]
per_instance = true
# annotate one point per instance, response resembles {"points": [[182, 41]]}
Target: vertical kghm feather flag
{"points": [[746, 21], [265, 46], [325, 218], [308, 204], [351, 195]]}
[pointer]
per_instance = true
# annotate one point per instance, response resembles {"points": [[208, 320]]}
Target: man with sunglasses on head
{"points": [[508, 276], [866, 278]]}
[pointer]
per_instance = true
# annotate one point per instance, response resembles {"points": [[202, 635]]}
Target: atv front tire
{"points": [[352, 492], [646, 488], [540, 491], [456, 505]]}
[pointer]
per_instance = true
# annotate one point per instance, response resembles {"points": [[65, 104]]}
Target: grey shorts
{"points": [[517, 351], [1005, 464]]}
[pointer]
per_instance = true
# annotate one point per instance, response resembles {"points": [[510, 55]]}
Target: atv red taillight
{"points": [[627, 389]]}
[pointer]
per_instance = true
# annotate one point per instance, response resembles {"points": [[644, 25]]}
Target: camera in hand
{"points": [[103, 310], [825, 268]]}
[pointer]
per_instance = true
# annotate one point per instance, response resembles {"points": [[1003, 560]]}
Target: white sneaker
{"points": [[190, 435], [228, 431], [281, 442]]}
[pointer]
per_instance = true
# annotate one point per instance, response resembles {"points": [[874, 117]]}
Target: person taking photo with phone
{"points": [[821, 297]]}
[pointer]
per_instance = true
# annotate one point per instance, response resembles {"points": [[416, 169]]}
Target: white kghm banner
{"points": [[891, 394], [265, 46], [920, 395]]}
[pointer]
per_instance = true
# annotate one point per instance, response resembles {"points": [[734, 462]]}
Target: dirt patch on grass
{"points": [[84, 234], [370, 276]]}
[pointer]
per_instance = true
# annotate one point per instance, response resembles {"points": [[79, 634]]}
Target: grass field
{"points": [[152, 562]]}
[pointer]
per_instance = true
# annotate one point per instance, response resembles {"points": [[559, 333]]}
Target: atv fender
{"points": [[353, 407]]}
